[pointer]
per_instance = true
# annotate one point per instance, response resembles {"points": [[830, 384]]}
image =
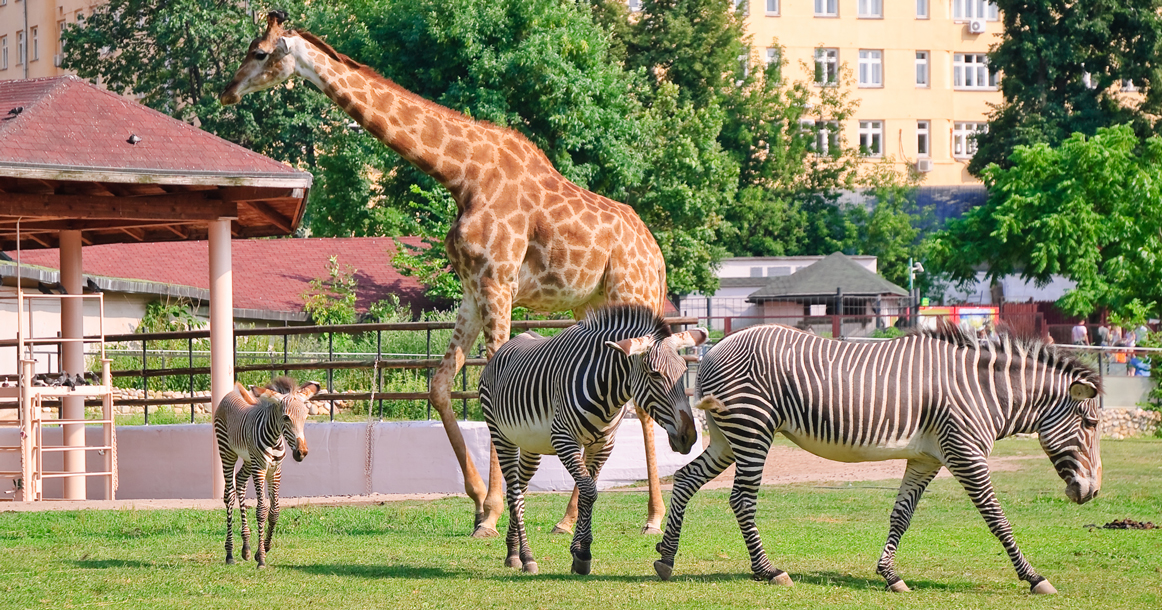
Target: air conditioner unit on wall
{"points": [[976, 26], [924, 165], [56, 60]]}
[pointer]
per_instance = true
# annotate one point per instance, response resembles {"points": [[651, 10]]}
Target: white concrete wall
{"points": [[409, 457]]}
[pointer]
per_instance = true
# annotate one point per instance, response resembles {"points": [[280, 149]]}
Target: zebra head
{"points": [[656, 379], [1069, 435], [292, 401]]}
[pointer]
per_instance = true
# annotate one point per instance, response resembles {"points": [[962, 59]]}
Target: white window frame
{"points": [[923, 69], [924, 139], [35, 42], [923, 10], [20, 48], [970, 72], [870, 9], [871, 68], [772, 8], [3, 52], [824, 136], [635, 6], [825, 58], [964, 10], [963, 144], [771, 55], [871, 138], [742, 5], [826, 8]]}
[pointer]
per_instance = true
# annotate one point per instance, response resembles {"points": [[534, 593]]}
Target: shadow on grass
{"points": [[373, 571], [105, 564], [836, 579]]}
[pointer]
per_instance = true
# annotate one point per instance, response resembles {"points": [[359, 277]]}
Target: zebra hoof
{"points": [[582, 566], [513, 562], [483, 531], [783, 579], [664, 570], [898, 587], [245, 553], [651, 530], [1042, 588], [530, 567], [229, 561], [560, 529], [261, 565]]}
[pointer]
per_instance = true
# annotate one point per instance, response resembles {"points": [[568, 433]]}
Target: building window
{"points": [[964, 138], [743, 6], [974, 9], [20, 48], [871, 68], [871, 138], [923, 144], [60, 30], [772, 8], [824, 136], [634, 5], [772, 55], [921, 9], [826, 8], [3, 52], [922, 69], [35, 43], [871, 9], [971, 71], [826, 66], [1128, 85]]}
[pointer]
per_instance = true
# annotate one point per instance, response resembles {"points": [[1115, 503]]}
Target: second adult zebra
{"points": [[936, 399], [564, 396]]}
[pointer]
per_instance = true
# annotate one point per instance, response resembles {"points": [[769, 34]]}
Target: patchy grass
{"points": [[417, 555]]}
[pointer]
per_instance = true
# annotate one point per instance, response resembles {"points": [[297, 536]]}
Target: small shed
{"points": [[81, 166]]}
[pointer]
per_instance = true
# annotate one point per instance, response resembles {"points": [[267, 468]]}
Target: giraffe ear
{"points": [[632, 347]]}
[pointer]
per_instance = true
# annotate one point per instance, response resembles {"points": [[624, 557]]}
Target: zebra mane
{"points": [[283, 384], [1017, 344], [628, 317]]}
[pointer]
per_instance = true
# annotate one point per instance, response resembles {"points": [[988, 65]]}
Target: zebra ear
{"points": [[310, 389], [260, 391], [1081, 392], [690, 338], [247, 397], [632, 347]]}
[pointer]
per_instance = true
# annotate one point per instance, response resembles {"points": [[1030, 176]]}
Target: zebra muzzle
{"points": [[300, 451]]}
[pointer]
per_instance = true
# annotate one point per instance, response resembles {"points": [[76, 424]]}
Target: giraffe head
{"points": [[268, 62], [291, 403]]}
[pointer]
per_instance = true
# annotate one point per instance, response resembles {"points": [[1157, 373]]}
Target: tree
{"points": [[1087, 210], [1063, 65]]}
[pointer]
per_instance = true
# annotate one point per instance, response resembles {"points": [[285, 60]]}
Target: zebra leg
{"points": [[228, 462], [518, 472], [259, 476], [973, 474], [744, 502], [273, 477], [687, 481], [570, 455], [243, 478], [916, 479]]}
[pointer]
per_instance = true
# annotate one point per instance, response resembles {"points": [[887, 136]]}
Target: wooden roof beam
{"points": [[271, 214], [175, 207]]}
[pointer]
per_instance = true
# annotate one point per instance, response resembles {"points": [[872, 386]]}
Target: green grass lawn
{"points": [[418, 555]]}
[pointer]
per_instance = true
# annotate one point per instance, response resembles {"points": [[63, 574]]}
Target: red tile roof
{"points": [[269, 274], [69, 123]]}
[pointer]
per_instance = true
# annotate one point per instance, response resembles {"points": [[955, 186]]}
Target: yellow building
{"points": [[30, 35], [918, 67]]}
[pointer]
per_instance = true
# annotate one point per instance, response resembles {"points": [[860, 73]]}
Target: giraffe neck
{"points": [[407, 123]]}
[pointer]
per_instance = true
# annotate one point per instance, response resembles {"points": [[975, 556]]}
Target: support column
{"points": [[221, 331], [73, 359]]}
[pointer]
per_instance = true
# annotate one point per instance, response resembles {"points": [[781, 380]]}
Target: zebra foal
{"points": [[256, 427], [564, 396], [936, 398]]}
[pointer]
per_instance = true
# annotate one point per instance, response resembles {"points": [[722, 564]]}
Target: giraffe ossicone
{"points": [[523, 235]]}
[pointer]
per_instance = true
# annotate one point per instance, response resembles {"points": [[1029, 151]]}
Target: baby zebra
{"points": [[937, 398], [564, 396], [256, 428]]}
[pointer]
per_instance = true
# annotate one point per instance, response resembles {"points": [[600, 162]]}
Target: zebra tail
{"points": [[711, 404]]}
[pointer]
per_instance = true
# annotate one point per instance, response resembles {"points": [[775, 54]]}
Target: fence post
{"points": [[190, 349], [378, 371], [429, 371], [331, 371], [144, 381], [837, 319], [284, 354]]}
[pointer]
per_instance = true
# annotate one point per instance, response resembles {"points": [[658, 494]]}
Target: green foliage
{"points": [[890, 332], [1062, 65], [332, 300], [1087, 210], [428, 262], [168, 316]]}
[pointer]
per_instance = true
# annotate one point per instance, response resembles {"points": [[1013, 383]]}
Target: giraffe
{"points": [[523, 235]]}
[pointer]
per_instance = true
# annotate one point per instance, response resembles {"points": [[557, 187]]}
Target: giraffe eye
{"points": [[260, 55]]}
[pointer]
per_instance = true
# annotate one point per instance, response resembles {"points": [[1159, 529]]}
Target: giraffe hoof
{"points": [[783, 579], [530, 567], [664, 570], [898, 587], [483, 531], [651, 530], [582, 566], [560, 529], [513, 562], [1042, 588]]}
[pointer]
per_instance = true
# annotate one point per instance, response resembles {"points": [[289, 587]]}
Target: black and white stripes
{"points": [[564, 396], [935, 399], [256, 428]]}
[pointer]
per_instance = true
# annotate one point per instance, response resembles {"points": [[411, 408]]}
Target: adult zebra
{"points": [[564, 396], [937, 398], [256, 428]]}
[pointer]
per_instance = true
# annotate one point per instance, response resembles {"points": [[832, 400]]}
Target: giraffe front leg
{"points": [[259, 476], [916, 479], [495, 315], [657, 507], [972, 473], [569, 519], [272, 482], [687, 481]]}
